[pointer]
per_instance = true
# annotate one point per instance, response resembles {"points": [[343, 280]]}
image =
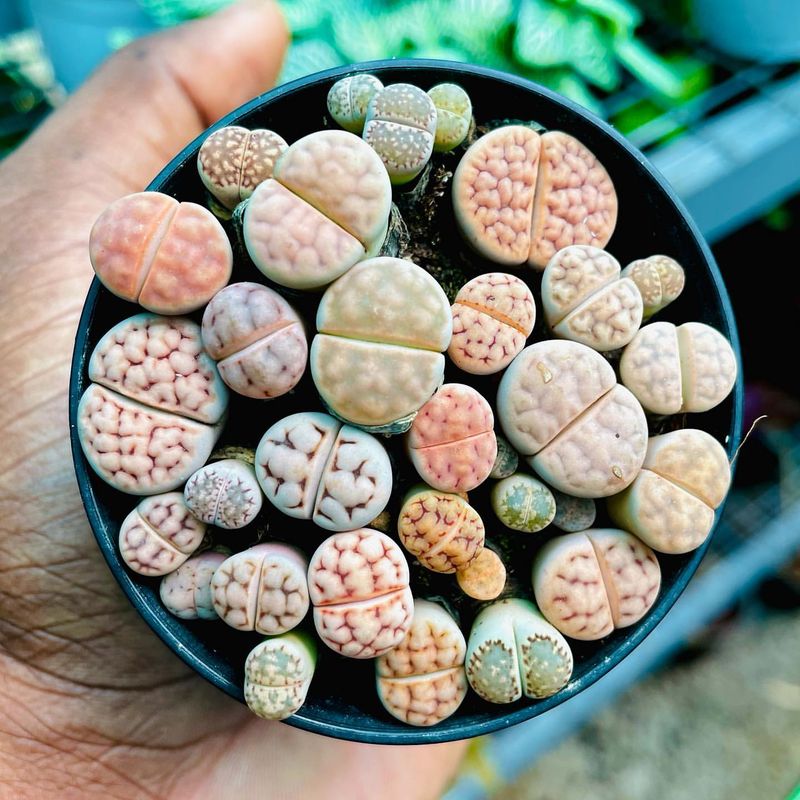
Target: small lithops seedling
{"points": [[169, 257], [224, 493], [585, 299], [257, 338], [691, 367], [186, 593], [507, 460], [493, 315], [349, 98], [660, 280], [443, 531], [484, 578], [671, 504], [561, 407], [513, 650], [233, 160], [451, 442], [159, 534], [523, 504], [520, 196], [310, 466], [400, 127], [422, 680], [453, 115], [378, 355], [358, 583], [589, 583], [573, 514], [277, 674]]}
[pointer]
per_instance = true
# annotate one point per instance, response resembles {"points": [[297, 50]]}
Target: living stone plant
{"points": [[423, 348]]}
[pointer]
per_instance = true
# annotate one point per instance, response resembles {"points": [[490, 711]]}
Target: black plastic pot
{"points": [[342, 701]]}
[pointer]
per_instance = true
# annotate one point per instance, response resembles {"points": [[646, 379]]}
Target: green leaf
{"points": [[649, 68], [173, 12], [363, 36], [571, 85], [307, 57], [621, 15], [305, 16], [544, 35], [593, 55]]}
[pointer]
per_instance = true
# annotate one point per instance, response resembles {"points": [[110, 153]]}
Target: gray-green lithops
{"points": [[453, 115], [573, 513], [224, 493], [507, 460], [349, 98], [523, 503], [186, 592], [660, 280]]}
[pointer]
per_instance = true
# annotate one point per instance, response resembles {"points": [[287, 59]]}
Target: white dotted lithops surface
{"points": [[224, 493], [453, 115], [349, 98], [358, 584], [186, 592], [660, 280], [311, 466]]}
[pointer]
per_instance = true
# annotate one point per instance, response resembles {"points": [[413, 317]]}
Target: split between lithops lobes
{"points": [[224, 493], [186, 592], [660, 280], [453, 115], [349, 98], [523, 504]]}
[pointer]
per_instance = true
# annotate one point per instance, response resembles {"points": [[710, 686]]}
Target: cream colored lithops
{"points": [[422, 680], [523, 504], [484, 578], [262, 589], [671, 504], [453, 115], [660, 280], [378, 355], [277, 675], [358, 584], [349, 98], [451, 442], [573, 513], [186, 592], [507, 460], [493, 315], [224, 493], [310, 466], [513, 651], [589, 583], [690, 368], [560, 406]]}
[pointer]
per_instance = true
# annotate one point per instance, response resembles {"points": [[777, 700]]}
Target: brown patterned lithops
{"points": [[513, 651], [453, 115], [186, 593], [422, 680], [671, 504], [523, 504], [660, 280], [224, 493], [349, 98]]}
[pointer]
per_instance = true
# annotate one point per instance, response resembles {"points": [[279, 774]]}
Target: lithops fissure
{"points": [[310, 466], [349, 98], [513, 650], [186, 592], [358, 584], [573, 514], [484, 578], [169, 257], [520, 196], [493, 315], [224, 493], [422, 680], [523, 504], [560, 406], [660, 280], [453, 115], [263, 589], [589, 583], [691, 367], [378, 355], [671, 504]]}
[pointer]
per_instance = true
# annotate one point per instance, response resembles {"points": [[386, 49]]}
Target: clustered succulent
{"points": [[576, 408]]}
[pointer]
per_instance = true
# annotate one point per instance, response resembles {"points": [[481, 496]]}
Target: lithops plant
{"points": [[443, 531], [262, 589], [573, 514], [484, 578], [325, 209], [589, 583], [155, 406], [422, 680], [493, 315], [560, 406], [400, 127], [358, 584], [224, 493], [257, 338], [169, 257], [277, 674], [691, 367], [451, 442], [310, 466], [507, 460], [453, 115], [585, 299], [378, 355], [186, 592], [671, 504], [523, 504], [519, 196], [349, 98], [660, 280], [159, 534], [513, 650]]}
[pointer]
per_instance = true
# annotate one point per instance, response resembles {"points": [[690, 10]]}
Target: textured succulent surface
{"points": [[660, 280], [453, 115], [224, 493], [484, 578], [573, 514], [523, 503], [708, 366], [186, 592], [348, 99], [506, 461]]}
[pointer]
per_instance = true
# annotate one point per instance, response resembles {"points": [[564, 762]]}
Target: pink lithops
{"points": [[358, 584], [691, 367], [422, 680], [257, 338], [186, 593], [348, 100], [589, 583], [169, 257], [561, 408], [660, 280], [442, 531], [451, 441], [262, 589], [493, 315], [159, 534], [224, 493], [671, 504]]}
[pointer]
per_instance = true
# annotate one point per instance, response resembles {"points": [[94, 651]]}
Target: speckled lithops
{"points": [[507, 460], [358, 583], [671, 504], [660, 280], [422, 680], [589, 583], [513, 650], [691, 367], [453, 115], [349, 98], [169, 257], [523, 504], [573, 514], [484, 578], [378, 355], [186, 593], [224, 493], [493, 315], [560, 406], [310, 466]]}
